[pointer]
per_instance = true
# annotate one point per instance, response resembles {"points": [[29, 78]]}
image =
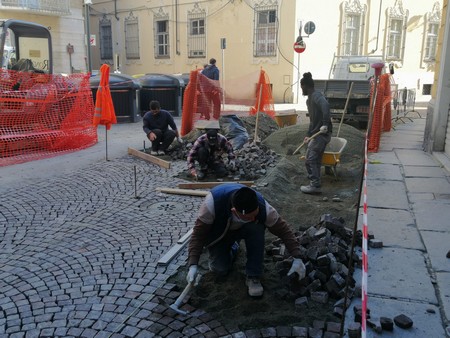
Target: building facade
{"points": [[177, 36]]}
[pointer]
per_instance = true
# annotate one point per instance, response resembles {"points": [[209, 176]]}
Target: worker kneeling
{"points": [[233, 212], [208, 150]]}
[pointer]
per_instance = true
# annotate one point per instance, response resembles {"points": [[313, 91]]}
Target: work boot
{"points": [[310, 189], [255, 289], [154, 153], [161, 152], [201, 175]]}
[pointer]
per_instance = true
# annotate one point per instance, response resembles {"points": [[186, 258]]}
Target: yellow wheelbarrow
{"points": [[331, 156]]}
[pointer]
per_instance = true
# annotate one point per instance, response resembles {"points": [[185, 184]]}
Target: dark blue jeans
{"points": [[163, 139], [221, 258]]}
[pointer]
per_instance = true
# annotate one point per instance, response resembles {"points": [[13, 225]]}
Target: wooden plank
{"points": [[202, 185], [169, 255], [185, 237], [149, 158], [201, 193]]}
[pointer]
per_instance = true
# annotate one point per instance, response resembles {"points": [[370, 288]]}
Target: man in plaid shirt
{"points": [[208, 150]]}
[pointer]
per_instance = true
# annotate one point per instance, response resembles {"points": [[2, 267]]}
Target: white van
{"points": [[354, 67]]}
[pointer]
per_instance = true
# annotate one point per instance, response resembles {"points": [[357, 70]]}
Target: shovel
{"points": [[309, 139], [176, 305]]}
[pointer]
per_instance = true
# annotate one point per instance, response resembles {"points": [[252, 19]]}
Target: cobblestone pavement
{"points": [[79, 253]]}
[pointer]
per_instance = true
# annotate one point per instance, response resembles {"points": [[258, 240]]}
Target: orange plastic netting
{"points": [[381, 115], [44, 115], [205, 99]]}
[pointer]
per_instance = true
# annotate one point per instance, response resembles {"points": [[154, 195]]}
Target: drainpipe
{"points": [[378, 29], [115, 10], [176, 28]]}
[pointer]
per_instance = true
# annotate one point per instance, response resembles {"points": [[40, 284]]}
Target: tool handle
{"points": [[310, 138], [186, 290]]}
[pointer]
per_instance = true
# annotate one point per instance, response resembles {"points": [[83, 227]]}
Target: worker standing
{"points": [[319, 133], [213, 88]]}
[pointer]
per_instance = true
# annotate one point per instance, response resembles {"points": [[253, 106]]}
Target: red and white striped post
{"points": [[364, 248]]}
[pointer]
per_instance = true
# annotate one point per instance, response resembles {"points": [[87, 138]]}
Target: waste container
{"points": [[184, 81], [124, 92], [163, 88]]}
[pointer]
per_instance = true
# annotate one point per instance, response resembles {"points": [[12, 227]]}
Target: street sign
{"points": [[299, 46], [223, 43], [310, 27], [92, 40]]}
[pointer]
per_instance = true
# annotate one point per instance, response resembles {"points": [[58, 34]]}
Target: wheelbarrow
{"points": [[331, 156]]}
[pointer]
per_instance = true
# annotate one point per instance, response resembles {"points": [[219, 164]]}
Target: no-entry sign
{"points": [[299, 46]]}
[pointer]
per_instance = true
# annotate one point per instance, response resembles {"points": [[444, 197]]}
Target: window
{"points": [[162, 39], [266, 31], [106, 50], [432, 22], [131, 37], [196, 33], [396, 32], [352, 28]]}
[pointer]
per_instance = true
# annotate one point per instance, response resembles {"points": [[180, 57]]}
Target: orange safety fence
{"points": [[44, 115], [381, 114], [205, 99]]}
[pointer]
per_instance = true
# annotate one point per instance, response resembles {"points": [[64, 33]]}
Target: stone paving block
{"points": [[415, 157], [432, 215], [443, 279], [427, 184], [437, 244], [393, 227], [423, 171], [382, 171], [398, 273], [384, 157], [378, 198], [425, 324]]}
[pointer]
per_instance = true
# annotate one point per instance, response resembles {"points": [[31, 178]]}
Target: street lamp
{"points": [[87, 3]]}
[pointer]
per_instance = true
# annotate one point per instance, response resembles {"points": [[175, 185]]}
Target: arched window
{"points": [[196, 32], [266, 29], [132, 37], [396, 21], [432, 22], [161, 31], [352, 28]]}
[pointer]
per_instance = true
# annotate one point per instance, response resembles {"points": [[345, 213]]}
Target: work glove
{"points": [[194, 174], [299, 267], [232, 165], [180, 140], [192, 274], [323, 129]]}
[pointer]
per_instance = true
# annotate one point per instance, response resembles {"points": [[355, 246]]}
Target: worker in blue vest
{"points": [[233, 212]]}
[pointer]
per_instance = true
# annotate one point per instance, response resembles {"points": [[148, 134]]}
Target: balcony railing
{"points": [[46, 7]]}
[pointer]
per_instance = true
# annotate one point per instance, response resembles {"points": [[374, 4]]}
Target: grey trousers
{"points": [[314, 153]]}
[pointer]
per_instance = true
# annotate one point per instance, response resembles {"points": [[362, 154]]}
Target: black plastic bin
{"points": [[124, 92], [167, 89]]}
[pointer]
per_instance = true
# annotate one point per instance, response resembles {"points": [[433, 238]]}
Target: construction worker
{"points": [[212, 89], [232, 212], [319, 133], [156, 127], [208, 150]]}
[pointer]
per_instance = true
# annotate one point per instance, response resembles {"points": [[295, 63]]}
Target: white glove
{"points": [[192, 274], [232, 165], [180, 140], [299, 267], [323, 129]]}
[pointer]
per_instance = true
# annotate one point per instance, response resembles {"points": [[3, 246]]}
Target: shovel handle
{"points": [[310, 138]]}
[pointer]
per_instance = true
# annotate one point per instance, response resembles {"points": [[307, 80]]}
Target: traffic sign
{"points": [[310, 27], [299, 46]]}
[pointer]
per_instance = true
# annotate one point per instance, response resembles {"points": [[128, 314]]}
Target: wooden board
{"points": [[203, 185], [149, 158], [201, 193]]}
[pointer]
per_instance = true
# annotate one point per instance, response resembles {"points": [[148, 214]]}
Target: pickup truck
{"points": [[344, 71]]}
